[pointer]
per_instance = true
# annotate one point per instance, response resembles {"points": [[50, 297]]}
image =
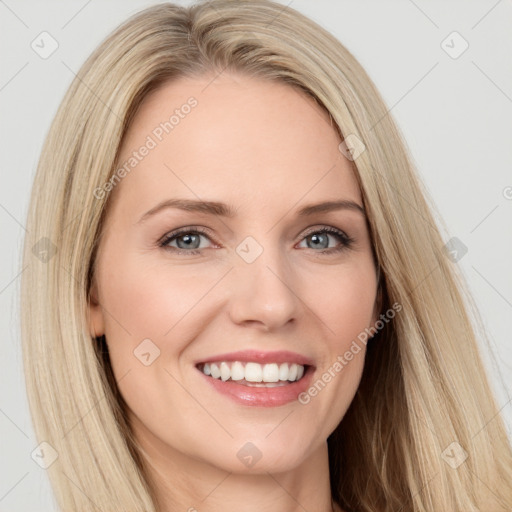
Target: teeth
{"points": [[283, 371], [271, 373], [254, 372], [215, 372], [225, 372], [237, 371]]}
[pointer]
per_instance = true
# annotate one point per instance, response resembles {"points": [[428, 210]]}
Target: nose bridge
{"points": [[262, 284]]}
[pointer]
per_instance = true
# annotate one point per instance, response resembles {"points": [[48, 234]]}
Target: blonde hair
{"points": [[423, 386]]}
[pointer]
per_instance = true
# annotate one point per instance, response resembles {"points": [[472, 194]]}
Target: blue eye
{"points": [[188, 240], [320, 238]]}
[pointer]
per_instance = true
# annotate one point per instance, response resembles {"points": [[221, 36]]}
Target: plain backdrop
{"points": [[454, 109]]}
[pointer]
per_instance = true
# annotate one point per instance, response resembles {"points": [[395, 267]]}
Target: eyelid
{"points": [[187, 229], [321, 227]]}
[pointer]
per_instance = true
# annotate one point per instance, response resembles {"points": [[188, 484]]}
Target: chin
{"points": [[259, 457]]}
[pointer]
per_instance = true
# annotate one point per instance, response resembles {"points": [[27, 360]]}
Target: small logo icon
{"points": [[44, 455], [352, 147], [146, 352], [249, 249], [249, 454], [454, 45], [454, 455], [44, 249], [454, 249], [44, 45]]}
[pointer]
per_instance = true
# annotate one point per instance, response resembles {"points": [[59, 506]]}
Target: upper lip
{"points": [[256, 356]]}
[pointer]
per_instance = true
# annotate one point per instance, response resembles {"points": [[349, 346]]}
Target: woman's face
{"points": [[264, 284]]}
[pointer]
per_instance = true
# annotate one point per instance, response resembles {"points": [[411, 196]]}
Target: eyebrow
{"points": [[224, 210]]}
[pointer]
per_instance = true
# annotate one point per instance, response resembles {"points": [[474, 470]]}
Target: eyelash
{"points": [[346, 241]]}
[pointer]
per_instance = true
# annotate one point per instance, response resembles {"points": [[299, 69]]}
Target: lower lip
{"points": [[261, 396]]}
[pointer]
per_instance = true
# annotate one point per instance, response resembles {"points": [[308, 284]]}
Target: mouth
{"points": [[255, 384], [253, 374]]}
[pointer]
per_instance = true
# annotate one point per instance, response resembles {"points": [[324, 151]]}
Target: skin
{"points": [[266, 149]]}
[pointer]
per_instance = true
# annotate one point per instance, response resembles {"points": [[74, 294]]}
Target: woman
{"points": [[255, 310]]}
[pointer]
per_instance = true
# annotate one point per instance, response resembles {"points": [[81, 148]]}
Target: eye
{"points": [[320, 239], [185, 238]]}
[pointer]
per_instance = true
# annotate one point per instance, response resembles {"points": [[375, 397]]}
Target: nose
{"points": [[263, 292]]}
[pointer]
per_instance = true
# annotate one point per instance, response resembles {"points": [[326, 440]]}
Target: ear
{"points": [[95, 312]]}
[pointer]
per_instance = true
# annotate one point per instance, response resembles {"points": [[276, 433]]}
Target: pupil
{"points": [[189, 239], [317, 236]]}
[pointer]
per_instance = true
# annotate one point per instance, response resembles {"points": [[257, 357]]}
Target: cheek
{"points": [[150, 300], [146, 302], [149, 321], [344, 300], [347, 314]]}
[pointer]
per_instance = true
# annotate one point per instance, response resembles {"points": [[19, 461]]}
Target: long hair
{"points": [[424, 398]]}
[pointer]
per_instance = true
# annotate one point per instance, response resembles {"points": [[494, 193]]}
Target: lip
{"points": [[256, 356], [261, 396]]}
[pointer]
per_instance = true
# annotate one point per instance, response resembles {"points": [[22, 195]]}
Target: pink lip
{"points": [[280, 356], [261, 396]]}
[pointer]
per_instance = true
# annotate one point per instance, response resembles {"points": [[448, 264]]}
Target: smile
{"points": [[254, 374], [257, 385]]}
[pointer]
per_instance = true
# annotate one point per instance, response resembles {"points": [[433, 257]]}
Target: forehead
{"points": [[239, 139]]}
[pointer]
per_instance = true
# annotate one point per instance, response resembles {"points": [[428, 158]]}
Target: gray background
{"points": [[454, 113]]}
